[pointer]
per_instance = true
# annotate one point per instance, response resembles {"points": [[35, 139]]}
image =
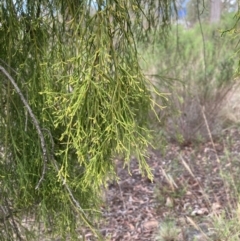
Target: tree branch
{"points": [[35, 122]]}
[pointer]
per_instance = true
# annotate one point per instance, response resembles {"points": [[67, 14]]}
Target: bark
{"points": [[215, 11]]}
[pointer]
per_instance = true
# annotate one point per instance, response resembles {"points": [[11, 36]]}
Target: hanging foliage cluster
{"points": [[72, 96]]}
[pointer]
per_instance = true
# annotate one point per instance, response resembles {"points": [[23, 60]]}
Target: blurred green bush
{"points": [[196, 67]]}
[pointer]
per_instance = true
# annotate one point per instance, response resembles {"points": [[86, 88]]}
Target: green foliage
{"points": [[198, 9], [72, 96], [197, 70], [234, 32], [168, 231]]}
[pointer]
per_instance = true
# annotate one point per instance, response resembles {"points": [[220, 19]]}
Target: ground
{"points": [[191, 183]]}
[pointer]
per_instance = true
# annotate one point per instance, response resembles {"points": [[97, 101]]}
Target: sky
{"points": [[183, 11]]}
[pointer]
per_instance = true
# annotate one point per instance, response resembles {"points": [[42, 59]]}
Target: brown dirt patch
{"points": [[135, 206]]}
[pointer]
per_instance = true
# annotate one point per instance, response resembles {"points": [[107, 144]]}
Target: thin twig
{"points": [[63, 181], [209, 132], [74, 200], [35, 122], [214, 148], [203, 40], [13, 70], [187, 167], [15, 227]]}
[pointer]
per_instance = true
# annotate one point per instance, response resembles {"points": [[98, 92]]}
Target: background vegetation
{"points": [[197, 67]]}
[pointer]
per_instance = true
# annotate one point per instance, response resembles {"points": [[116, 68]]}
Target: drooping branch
{"points": [[34, 119], [69, 191], [44, 150]]}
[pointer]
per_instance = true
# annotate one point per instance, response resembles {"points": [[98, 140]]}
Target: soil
{"points": [[190, 183]]}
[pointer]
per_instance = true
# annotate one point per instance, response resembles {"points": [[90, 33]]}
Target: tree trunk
{"points": [[215, 11]]}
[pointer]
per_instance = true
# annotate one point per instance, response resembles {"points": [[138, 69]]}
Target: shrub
{"points": [[197, 70]]}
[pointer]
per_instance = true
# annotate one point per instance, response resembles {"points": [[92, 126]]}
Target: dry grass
{"points": [[182, 119], [222, 223]]}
